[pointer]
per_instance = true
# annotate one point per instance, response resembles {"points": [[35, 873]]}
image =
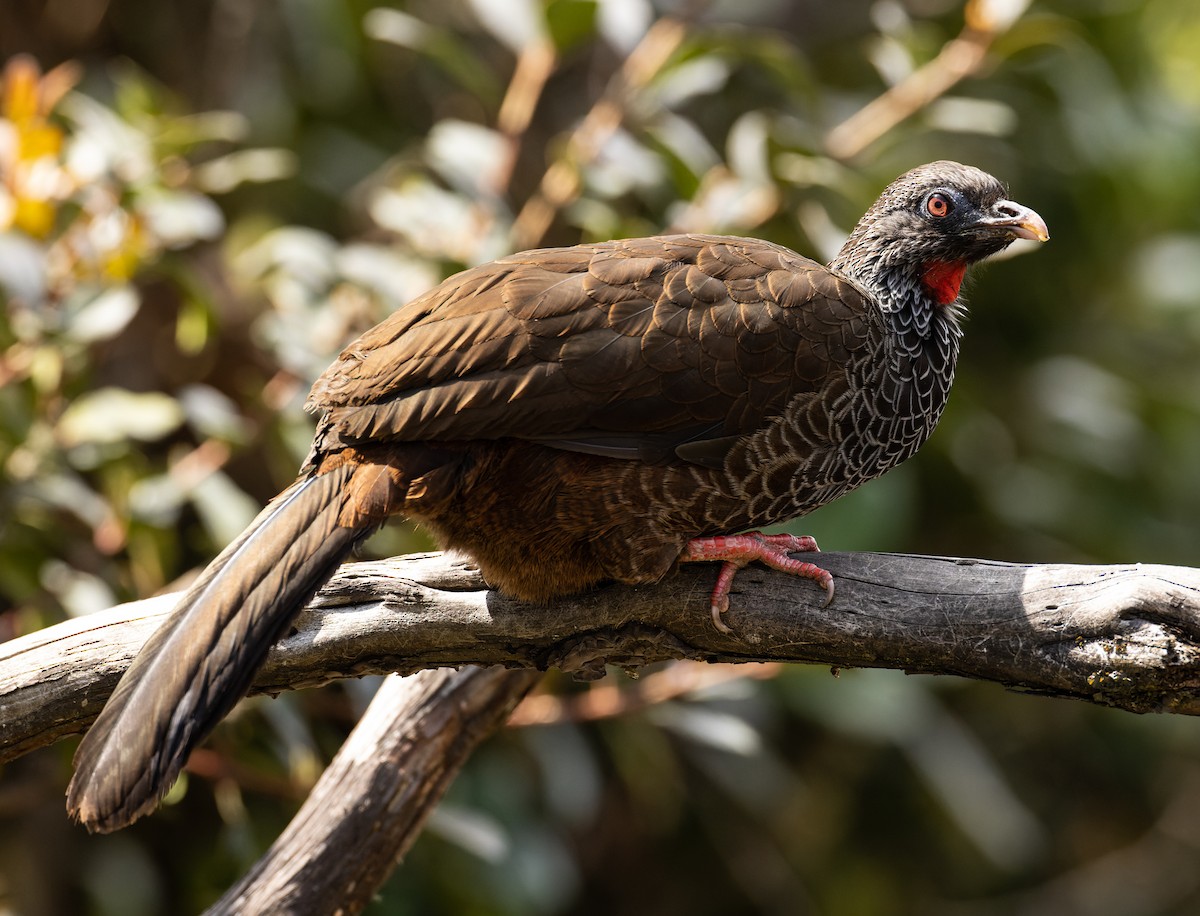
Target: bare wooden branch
{"points": [[959, 58], [373, 798], [561, 182], [1124, 636]]}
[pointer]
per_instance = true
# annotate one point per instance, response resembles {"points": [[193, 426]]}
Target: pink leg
{"points": [[737, 550]]}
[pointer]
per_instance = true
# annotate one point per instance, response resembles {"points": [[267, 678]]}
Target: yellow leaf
{"points": [[38, 139], [27, 94], [34, 217], [20, 99], [8, 209]]}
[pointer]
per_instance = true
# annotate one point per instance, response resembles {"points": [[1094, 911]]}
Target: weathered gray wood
{"points": [[373, 798], [1125, 636]]}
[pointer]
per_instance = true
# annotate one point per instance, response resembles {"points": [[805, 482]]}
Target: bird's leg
{"points": [[737, 550]]}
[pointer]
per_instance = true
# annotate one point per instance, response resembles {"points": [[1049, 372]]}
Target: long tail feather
{"points": [[202, 660]]}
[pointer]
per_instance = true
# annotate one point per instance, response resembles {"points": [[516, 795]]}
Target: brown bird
{"points": [[570, 416]]}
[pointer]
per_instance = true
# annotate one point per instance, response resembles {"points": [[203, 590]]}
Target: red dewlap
{"points": [[943, 279]]}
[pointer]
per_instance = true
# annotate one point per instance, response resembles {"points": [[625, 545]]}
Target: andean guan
{"points": [[574, 415]]}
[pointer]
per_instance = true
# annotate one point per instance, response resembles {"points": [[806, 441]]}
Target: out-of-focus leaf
{"points": [[780, 59], [111, 415], [21, 273], [303, 253], [156, 500], [622, 165], [893, 59], [597, 220], [624, 22], [46, 368], [574, 784], [687, 144], [826, 238], [542, 871], [516, 23], [708, 726], [102, 315], [184, 132], [455, 56], [727, 203], [193, 326], [438, 222], [882, 706], [1028, 497], [385, 272], [212, 413], [223, 507], [68, 491], [1091, 411], [110, 144], [181, 218], [482, 836], [967, 781], [982, 446], [468, 156], [981, 116], [223, 174], [686, 81], [294, 741], [397, 27], [891, 18], [748, 147], [137, 98], [1167, 268], [570, 22]]}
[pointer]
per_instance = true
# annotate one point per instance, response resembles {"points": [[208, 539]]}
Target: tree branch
{"points": [[1124, 636], [376, 794], [959, 58], [561, 182]]}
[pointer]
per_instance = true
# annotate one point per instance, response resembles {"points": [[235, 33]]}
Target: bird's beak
{"points": [[1009, 216]]}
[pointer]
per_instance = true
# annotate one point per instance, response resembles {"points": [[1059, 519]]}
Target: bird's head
{"points": [[929, 225]]}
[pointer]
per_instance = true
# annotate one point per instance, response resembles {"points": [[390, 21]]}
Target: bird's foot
{"points": [[737, 550]]}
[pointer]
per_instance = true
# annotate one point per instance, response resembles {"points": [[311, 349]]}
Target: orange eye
{"points": [[939, 205]]}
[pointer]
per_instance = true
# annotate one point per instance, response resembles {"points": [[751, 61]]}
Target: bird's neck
{"points": [[919, 300], [913, 380]]}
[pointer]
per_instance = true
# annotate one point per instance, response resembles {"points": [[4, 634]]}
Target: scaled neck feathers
{"points": [[920, 299]]}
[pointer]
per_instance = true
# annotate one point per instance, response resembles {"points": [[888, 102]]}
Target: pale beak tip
{"points": [[1033, 229], [1021, 221]]}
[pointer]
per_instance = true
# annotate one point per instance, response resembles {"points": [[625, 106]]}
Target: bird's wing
{"points": [[635, 348]]}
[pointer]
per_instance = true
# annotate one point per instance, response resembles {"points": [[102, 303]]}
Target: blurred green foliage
{"points": [[208, 199]]}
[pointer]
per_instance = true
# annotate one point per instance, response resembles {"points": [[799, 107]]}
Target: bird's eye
{"points": [[939, 205]]}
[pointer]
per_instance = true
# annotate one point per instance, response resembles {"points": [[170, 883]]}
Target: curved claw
{"points": [[828, 593], [720, 594], [720, 624]]}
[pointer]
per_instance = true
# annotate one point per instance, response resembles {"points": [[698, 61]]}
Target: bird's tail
{"points": [[202, 660]]}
